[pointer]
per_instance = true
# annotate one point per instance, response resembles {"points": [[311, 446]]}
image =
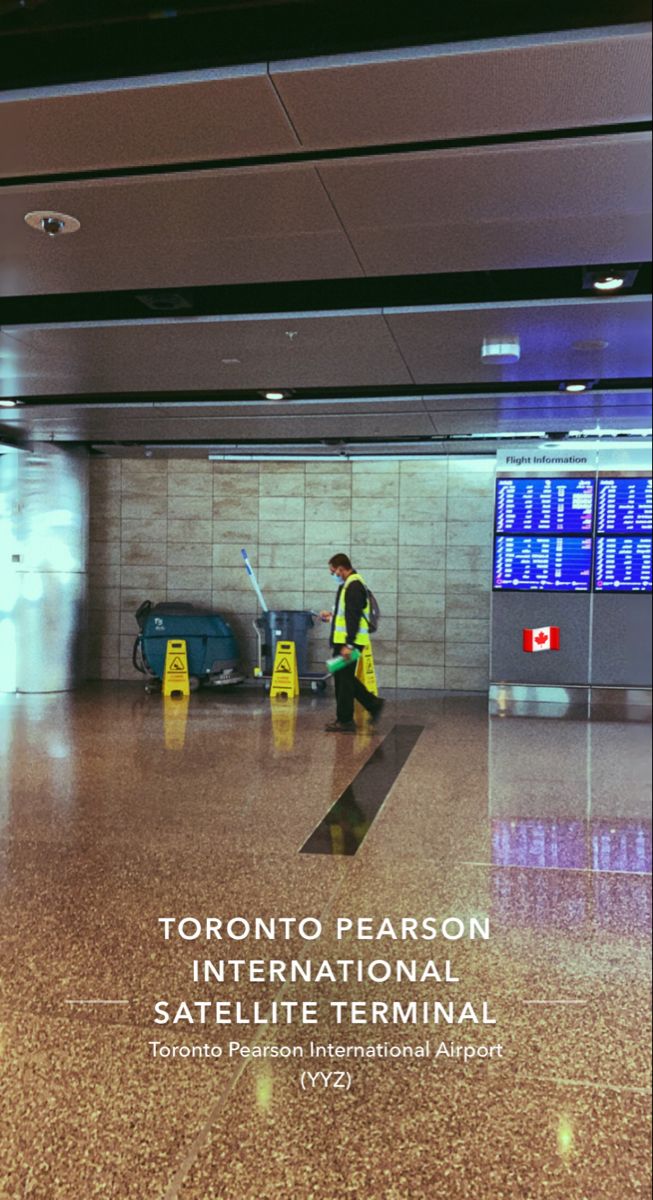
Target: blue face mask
{"points": [[337, 580]]}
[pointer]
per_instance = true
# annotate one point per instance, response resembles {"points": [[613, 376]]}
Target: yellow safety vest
{"points": [[340, 623]]}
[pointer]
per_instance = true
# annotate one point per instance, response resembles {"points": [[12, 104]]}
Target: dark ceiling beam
{"points": [[393, 291], [63, 41]]}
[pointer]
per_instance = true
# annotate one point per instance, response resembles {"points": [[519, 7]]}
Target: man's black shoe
{"points": [[376, 711], [341, 727]]}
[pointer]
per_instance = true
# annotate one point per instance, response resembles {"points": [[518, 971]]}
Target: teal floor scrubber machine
{"points": [[213, 656]]}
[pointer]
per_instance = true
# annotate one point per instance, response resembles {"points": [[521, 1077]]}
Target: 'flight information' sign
{"points": [[542, 564], [624, 506], [623, 564], [544, 505]]}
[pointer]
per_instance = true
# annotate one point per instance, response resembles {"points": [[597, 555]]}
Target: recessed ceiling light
{"points": [[7, 403], [275, 395], [609, 279], [609, 283], [590, 344], [51, 223], [505, 349], [575, 387]]}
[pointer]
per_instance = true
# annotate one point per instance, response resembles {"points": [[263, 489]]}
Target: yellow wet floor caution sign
{"points": [[365, 671], [175, 675], [285, 677]]}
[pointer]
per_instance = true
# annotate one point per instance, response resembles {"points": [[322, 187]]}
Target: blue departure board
{"points": [[624, 505], [623, 564], [542, 564], [557, 505]]}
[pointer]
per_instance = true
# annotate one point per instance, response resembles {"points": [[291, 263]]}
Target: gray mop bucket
{"points": [[284, 625]]}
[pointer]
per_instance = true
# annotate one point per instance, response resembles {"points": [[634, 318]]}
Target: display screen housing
{"points": [[542, 564], [544, 505]]}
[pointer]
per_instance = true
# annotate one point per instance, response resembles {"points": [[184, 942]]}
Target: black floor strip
{"points": [[349, 820]]}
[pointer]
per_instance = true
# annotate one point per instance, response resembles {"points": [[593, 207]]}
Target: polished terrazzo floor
{"points": [[114, 812]]}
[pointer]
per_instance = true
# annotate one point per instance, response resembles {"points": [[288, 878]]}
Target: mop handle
{"points": [[254, 581]]}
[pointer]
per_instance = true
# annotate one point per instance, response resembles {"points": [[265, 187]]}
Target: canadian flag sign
{"points": [[546, 638]]}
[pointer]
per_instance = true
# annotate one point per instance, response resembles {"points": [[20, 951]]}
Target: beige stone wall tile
{"points": [[374, 533], [468, 533], [190, 483], [428, 677], [421, 558], [429, 581], [422, 533], [468, 655], [288, 556], [386, 677], [423, 480], [369, 558], [201, 596], [190, 554], [243, 531], [144, 529], [332, 480], [105, 529], [337, 534], [103, 553], [233, 578], [144, 506], [466, 679], [235, 508], [190, 508], [467, 630], [410, 628], [143, 553], [281, 483], [279, 533], [149, 577], [469, 604], [285, 598], [104, 575], [230, 485], [228, 554], [189, 530], [148, 477], [103, 599], [426, 607], [228, 601], [281, 508], [377, 488], [188, 578], [421, 508], [419, 654], [328, 508]]}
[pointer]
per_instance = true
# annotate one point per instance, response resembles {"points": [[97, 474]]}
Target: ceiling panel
{"points": [[235, 226], [549, 203], [443, 345], [469, 89], [130, 122], [340, 350]]}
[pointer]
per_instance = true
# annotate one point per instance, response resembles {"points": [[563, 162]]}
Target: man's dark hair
{"points": [[341, 560]]}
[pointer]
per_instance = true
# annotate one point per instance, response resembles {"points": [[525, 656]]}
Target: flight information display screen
{"points": [[624, 506], [623, 564], [558, 505], [542, 564]]}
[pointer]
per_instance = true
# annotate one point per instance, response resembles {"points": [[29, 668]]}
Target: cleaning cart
{"points": [[282, 625]]}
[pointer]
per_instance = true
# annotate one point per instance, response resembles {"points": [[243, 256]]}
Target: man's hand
{"points": [[325, 615], [345, 651]]}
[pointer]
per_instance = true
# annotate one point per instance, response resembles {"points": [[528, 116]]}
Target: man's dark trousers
{"points": [[348, 689]]}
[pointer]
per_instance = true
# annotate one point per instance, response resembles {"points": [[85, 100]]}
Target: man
{"points": [[349, 631]]}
